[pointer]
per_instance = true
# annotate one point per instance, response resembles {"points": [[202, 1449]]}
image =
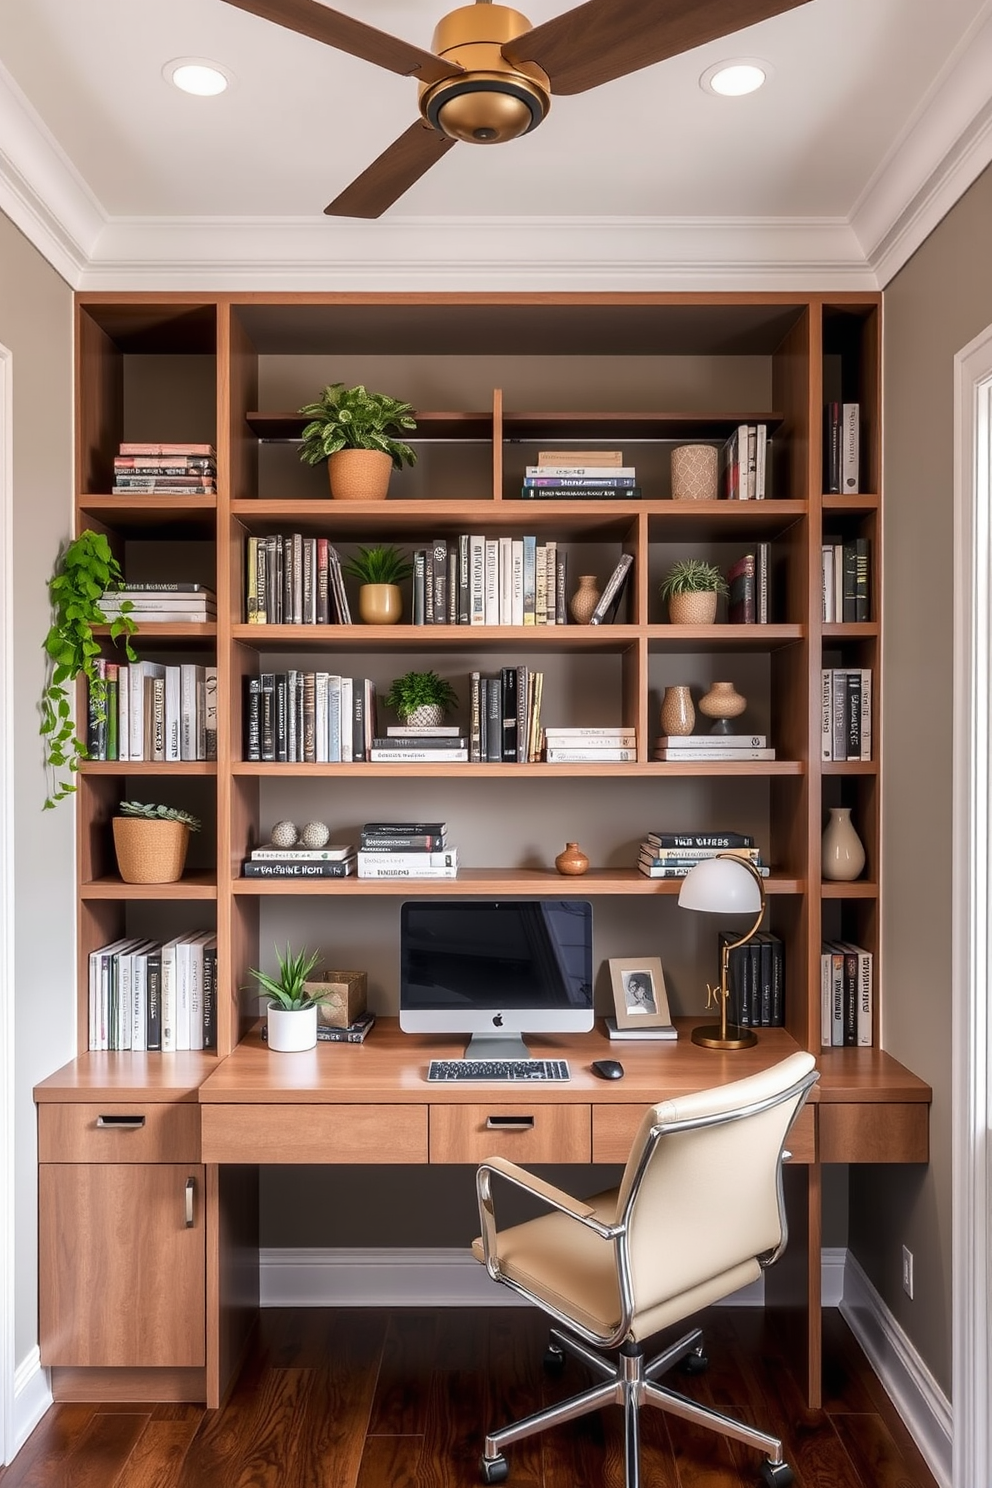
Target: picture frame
{"points": [[639, 994]]}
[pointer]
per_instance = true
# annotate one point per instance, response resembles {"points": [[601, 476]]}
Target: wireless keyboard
{"points": [[498, 1069]]}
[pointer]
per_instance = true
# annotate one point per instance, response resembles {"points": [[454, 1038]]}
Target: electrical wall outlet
{"points": [[907, 1271]]}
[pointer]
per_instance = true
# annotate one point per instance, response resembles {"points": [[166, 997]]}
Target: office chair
{"points": [[698, 1214]]}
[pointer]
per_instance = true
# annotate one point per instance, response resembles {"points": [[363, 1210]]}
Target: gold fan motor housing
{"points": [[491, 101]]}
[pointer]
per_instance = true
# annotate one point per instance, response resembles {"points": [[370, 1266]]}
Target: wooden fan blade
{"points": [[606, 39], [395, 171], [348, 35]]}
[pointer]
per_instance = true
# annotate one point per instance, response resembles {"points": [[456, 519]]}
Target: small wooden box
{"points": [[346, 993]]}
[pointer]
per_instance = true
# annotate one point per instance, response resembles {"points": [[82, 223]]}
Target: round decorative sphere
{"points": [[284, 834], [315, 834]]}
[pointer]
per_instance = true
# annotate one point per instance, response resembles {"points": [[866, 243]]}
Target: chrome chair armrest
{"points": [[547, 1193]]}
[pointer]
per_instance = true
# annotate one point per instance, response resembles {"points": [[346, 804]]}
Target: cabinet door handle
{"points": [[120, 1123], [190, 1191], [510, 1123]]}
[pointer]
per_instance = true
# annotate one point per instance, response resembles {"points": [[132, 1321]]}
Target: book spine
{"points": [[599, 480], [439, 571], [839, 739], [394, 754], [298, 870], [419, 582], [850, 457], [719, 841], [491, 598], [464, 579], [611, 591], [865, 1000], [372, 871], [508, 690], [342, 1035], [477, 594], [832, 439], [852, 713], [826, 714], [209, 997], [323, 583], [862, 579], [475, 718], [590, 756], [530, 579], [403, 842]]}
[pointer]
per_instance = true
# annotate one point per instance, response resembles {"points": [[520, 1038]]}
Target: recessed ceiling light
{"points": [[192, 75], [734, 79]]}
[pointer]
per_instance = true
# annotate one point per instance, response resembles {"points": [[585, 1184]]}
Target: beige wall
{"points": [[36, 328], [936, 305]]}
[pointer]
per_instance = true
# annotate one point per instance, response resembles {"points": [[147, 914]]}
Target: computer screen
{"points": [[496, 969]]}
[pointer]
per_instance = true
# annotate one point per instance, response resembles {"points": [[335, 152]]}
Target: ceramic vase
{"points": [[694, 472], [677, 713], [584, 600], [572, 862], [359, 475], [722, 703], [843, 850], [289, 1032], [380, 604]]}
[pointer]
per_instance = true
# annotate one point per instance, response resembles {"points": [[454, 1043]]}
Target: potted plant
{"points": [[355, 432], [151, 842], [421, 699], [85, 571], [291, 1016], [380, 571], [692, 588]]}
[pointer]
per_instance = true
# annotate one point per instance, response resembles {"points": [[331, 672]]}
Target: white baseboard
{"points": [[924, 1408], [390, 1277], [32, 1397]]}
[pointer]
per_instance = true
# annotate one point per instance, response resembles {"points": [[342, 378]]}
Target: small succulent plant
{"points": [[379, 565], [159, 813], [416, 690], [289, 990], [693, 576]]}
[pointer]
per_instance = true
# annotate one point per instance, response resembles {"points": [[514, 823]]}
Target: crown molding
{"points": [[943, 149], [497, 253]]}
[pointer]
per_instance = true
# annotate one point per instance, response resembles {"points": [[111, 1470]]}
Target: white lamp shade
{"points": [[721, 886]]}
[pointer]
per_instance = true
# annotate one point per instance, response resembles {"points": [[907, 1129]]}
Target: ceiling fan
{"points": [[491, 74]]}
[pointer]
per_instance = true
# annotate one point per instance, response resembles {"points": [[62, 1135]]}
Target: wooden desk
{"points": [[371, 1103]]}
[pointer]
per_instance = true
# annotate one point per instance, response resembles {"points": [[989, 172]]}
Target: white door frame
{"points": [[7, 1360], [971, 977]]}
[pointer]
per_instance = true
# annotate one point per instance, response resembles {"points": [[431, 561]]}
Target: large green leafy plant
{"points": [[354, 418], [159, 813], [85, 571], [289, 990]]}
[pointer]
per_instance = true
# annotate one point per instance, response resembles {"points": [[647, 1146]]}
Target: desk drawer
{"points": [[110, 1133], [523, 1133], [615, 1127], [314, 1134], [875, 1133]]}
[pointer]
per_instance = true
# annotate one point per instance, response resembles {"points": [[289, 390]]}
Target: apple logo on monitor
{"points": [[498, 1021]]}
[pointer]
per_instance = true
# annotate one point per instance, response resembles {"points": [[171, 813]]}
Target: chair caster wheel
{"points": [[695, 1363], [494, 1469], [554, 1360], [776, 1475]]}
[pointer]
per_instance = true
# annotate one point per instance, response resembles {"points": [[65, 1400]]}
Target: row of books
{"points": [[272, 861], [749, 585], [842, 448], [608, 746], [755, 980], [478, 580], [571, 480], [744, 464], [155, 996], [846, 580], [505, 716], [690, 747], [162, 604], [406, 850], [309, 717], [153, 712], [294, 580], [846, 995], [845, 713], [672, 855], [172, 469]]}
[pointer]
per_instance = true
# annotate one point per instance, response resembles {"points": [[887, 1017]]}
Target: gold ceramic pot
{"points": [[359, 475], [380, 604]]}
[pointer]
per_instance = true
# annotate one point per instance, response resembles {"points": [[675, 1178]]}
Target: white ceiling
{"points": [[876, 115]]}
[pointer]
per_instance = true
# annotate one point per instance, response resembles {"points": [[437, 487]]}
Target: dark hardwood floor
{"points": [[401, 1399]]}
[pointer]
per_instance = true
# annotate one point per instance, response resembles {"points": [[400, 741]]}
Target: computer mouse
{"points": [[607, 1069]]}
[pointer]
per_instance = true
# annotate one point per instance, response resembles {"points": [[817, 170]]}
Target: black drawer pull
{"points": [[120, 1123], [509, 1123]]}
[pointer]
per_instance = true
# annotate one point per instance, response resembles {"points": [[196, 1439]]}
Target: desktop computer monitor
{"points": [[495, 969]]}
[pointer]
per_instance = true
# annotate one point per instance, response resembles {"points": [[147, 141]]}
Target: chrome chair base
{"points": [[630, 1383]]}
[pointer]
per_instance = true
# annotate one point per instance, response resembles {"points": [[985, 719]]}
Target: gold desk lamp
{"points": [[726, 884]]}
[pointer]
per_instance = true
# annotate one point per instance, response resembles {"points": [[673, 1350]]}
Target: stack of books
{"points": [[580, 745], [165, 469], [755, 980], [672, 854], [146, 995], [443, 745], [154, 712], [744, 463], [587, 475], [406, 850], [505, 716], [846, 995], [845, 713], [162, 604], [846, 581], [699, 747], [270, 861]]}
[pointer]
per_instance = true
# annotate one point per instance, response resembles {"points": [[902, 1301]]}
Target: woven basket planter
{"points": [[359, 475], [696, 608], [150, 851]]}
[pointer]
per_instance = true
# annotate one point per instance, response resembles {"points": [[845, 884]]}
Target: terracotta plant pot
{"points": [[380, 604], [697, 608], [359, 475], [150, 851]]}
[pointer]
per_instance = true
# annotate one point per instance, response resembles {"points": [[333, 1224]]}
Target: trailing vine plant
{"points": [[85, 570]]}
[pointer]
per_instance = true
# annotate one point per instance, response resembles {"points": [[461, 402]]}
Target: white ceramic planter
{"points": [[290, 1032]]}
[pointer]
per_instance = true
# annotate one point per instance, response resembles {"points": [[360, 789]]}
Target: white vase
{"points": [[290, 1032], [842, 848]]}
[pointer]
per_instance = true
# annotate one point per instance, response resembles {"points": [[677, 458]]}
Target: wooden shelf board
{"points": [[850, 631], [853, 506], [154, 631], [860, 889], [183, 516], [430, 426], [438, 637], [537, 881], [586, 521], [723, 637], [191, 886], [866, 1075], [657, 768], [147, 767], [849, 767], [654, 426], [125, 1076]]}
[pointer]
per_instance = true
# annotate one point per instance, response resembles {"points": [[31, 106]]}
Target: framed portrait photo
{"points": [[639, 994]]}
